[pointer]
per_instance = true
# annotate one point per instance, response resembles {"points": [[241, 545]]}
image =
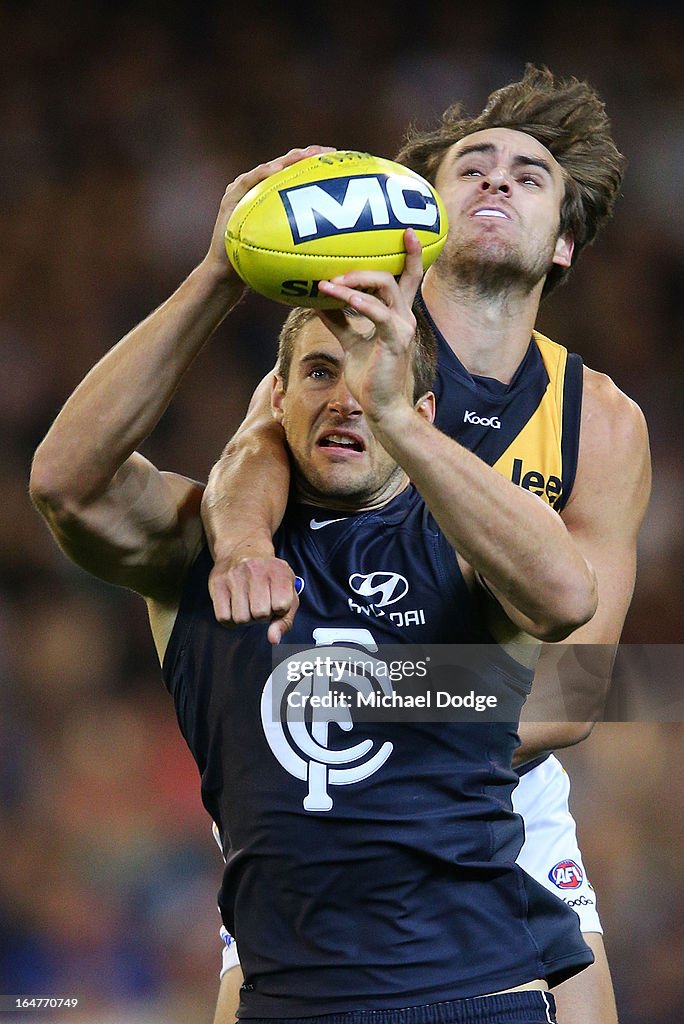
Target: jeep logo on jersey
{"points": [[296, 718], [369, 202], [566, 875], [391, 586], [482, 421]]}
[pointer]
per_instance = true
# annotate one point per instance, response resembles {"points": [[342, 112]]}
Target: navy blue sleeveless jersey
{"points": [[370, 866]]}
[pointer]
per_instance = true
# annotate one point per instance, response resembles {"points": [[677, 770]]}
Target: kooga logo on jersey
{"points": [[482, 421], [368, 202]]}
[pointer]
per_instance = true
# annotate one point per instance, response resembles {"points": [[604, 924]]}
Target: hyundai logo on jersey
{"points": [[566, 875], [374, 202], [391, 586]]}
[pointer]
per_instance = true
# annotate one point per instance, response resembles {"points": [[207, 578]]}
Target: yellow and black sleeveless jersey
{"points": [[527, 430]]}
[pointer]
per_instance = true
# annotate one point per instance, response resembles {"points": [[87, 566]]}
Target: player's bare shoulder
{"points": [[614, 458], [611, 421]]}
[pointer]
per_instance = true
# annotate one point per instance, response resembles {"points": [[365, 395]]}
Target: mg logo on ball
{"points": [[358, 203]]}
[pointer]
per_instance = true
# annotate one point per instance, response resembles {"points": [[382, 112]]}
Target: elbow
{"points": [[573, 607], [577, 732], [49, 489], [43, 488]]}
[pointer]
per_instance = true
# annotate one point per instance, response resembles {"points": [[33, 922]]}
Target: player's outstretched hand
{"points": [[254, 589], [216, 257], [378, 349]]}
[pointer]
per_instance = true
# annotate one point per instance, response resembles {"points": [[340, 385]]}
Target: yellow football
{"points": [[327, 215]]}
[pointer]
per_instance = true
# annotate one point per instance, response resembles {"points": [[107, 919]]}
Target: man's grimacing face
{"points": [[339, 462], [503, 192]]}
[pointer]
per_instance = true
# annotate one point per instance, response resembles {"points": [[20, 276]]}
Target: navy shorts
{"points": [[510, 1008]]}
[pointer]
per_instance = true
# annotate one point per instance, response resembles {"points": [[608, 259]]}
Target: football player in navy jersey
{"points": [[430, 913], [527, 185]]}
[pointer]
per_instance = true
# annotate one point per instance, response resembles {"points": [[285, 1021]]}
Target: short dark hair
{"points": [[565, 115], [424, 352]]}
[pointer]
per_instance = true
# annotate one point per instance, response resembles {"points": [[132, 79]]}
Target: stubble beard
{"points": [[493, 267], [352, 493]]}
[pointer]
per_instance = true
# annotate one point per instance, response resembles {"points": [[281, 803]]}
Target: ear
{"points": [[427, 407], [562, 254], [277, 398]]}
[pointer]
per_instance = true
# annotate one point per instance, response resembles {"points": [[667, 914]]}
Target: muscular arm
{"points": [[518, 545], [603, 517], [108, 507], [242, 508]]}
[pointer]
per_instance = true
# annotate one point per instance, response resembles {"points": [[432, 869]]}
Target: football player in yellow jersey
{"points": [[527, 184]]}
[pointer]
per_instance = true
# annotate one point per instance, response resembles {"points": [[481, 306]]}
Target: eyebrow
{"points": [[518, 161], [317, 357]]}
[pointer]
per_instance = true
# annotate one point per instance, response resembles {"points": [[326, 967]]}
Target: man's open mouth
{"points": [[345, 442]]}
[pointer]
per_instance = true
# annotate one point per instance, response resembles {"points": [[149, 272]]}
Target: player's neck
{"points": [[489, 334], [306, 492]]}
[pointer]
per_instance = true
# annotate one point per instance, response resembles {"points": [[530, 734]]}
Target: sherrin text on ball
{"points": [[327, 215]]}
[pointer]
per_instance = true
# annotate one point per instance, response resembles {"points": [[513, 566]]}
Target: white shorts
{"points": [[550, 852], [230, 953]]}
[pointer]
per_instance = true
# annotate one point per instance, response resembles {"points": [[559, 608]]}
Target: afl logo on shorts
{"points": [[566, 875]]}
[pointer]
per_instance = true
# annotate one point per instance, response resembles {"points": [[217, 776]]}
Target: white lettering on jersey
{"points": [[482, 421]]}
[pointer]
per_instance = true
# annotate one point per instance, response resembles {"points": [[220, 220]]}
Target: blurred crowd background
{"points": [[120, 126]]}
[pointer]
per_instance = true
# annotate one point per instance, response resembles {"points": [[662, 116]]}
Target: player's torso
{"points": [[386, 577], [360, 873]]}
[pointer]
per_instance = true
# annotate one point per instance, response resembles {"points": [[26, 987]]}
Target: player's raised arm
{"points": [[108, 507], [507, 535], [242, 508]]}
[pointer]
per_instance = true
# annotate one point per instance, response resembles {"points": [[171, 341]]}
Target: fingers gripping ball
{"points": [[327, 215]]}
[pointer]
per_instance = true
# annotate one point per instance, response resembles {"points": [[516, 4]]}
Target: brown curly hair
{"points": [[566, 116]]}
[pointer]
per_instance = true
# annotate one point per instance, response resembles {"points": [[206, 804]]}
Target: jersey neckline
{"points": [[452, 365]]}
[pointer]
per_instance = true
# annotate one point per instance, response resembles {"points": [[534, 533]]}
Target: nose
{"points": [[343, 402], [497, 180]]}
